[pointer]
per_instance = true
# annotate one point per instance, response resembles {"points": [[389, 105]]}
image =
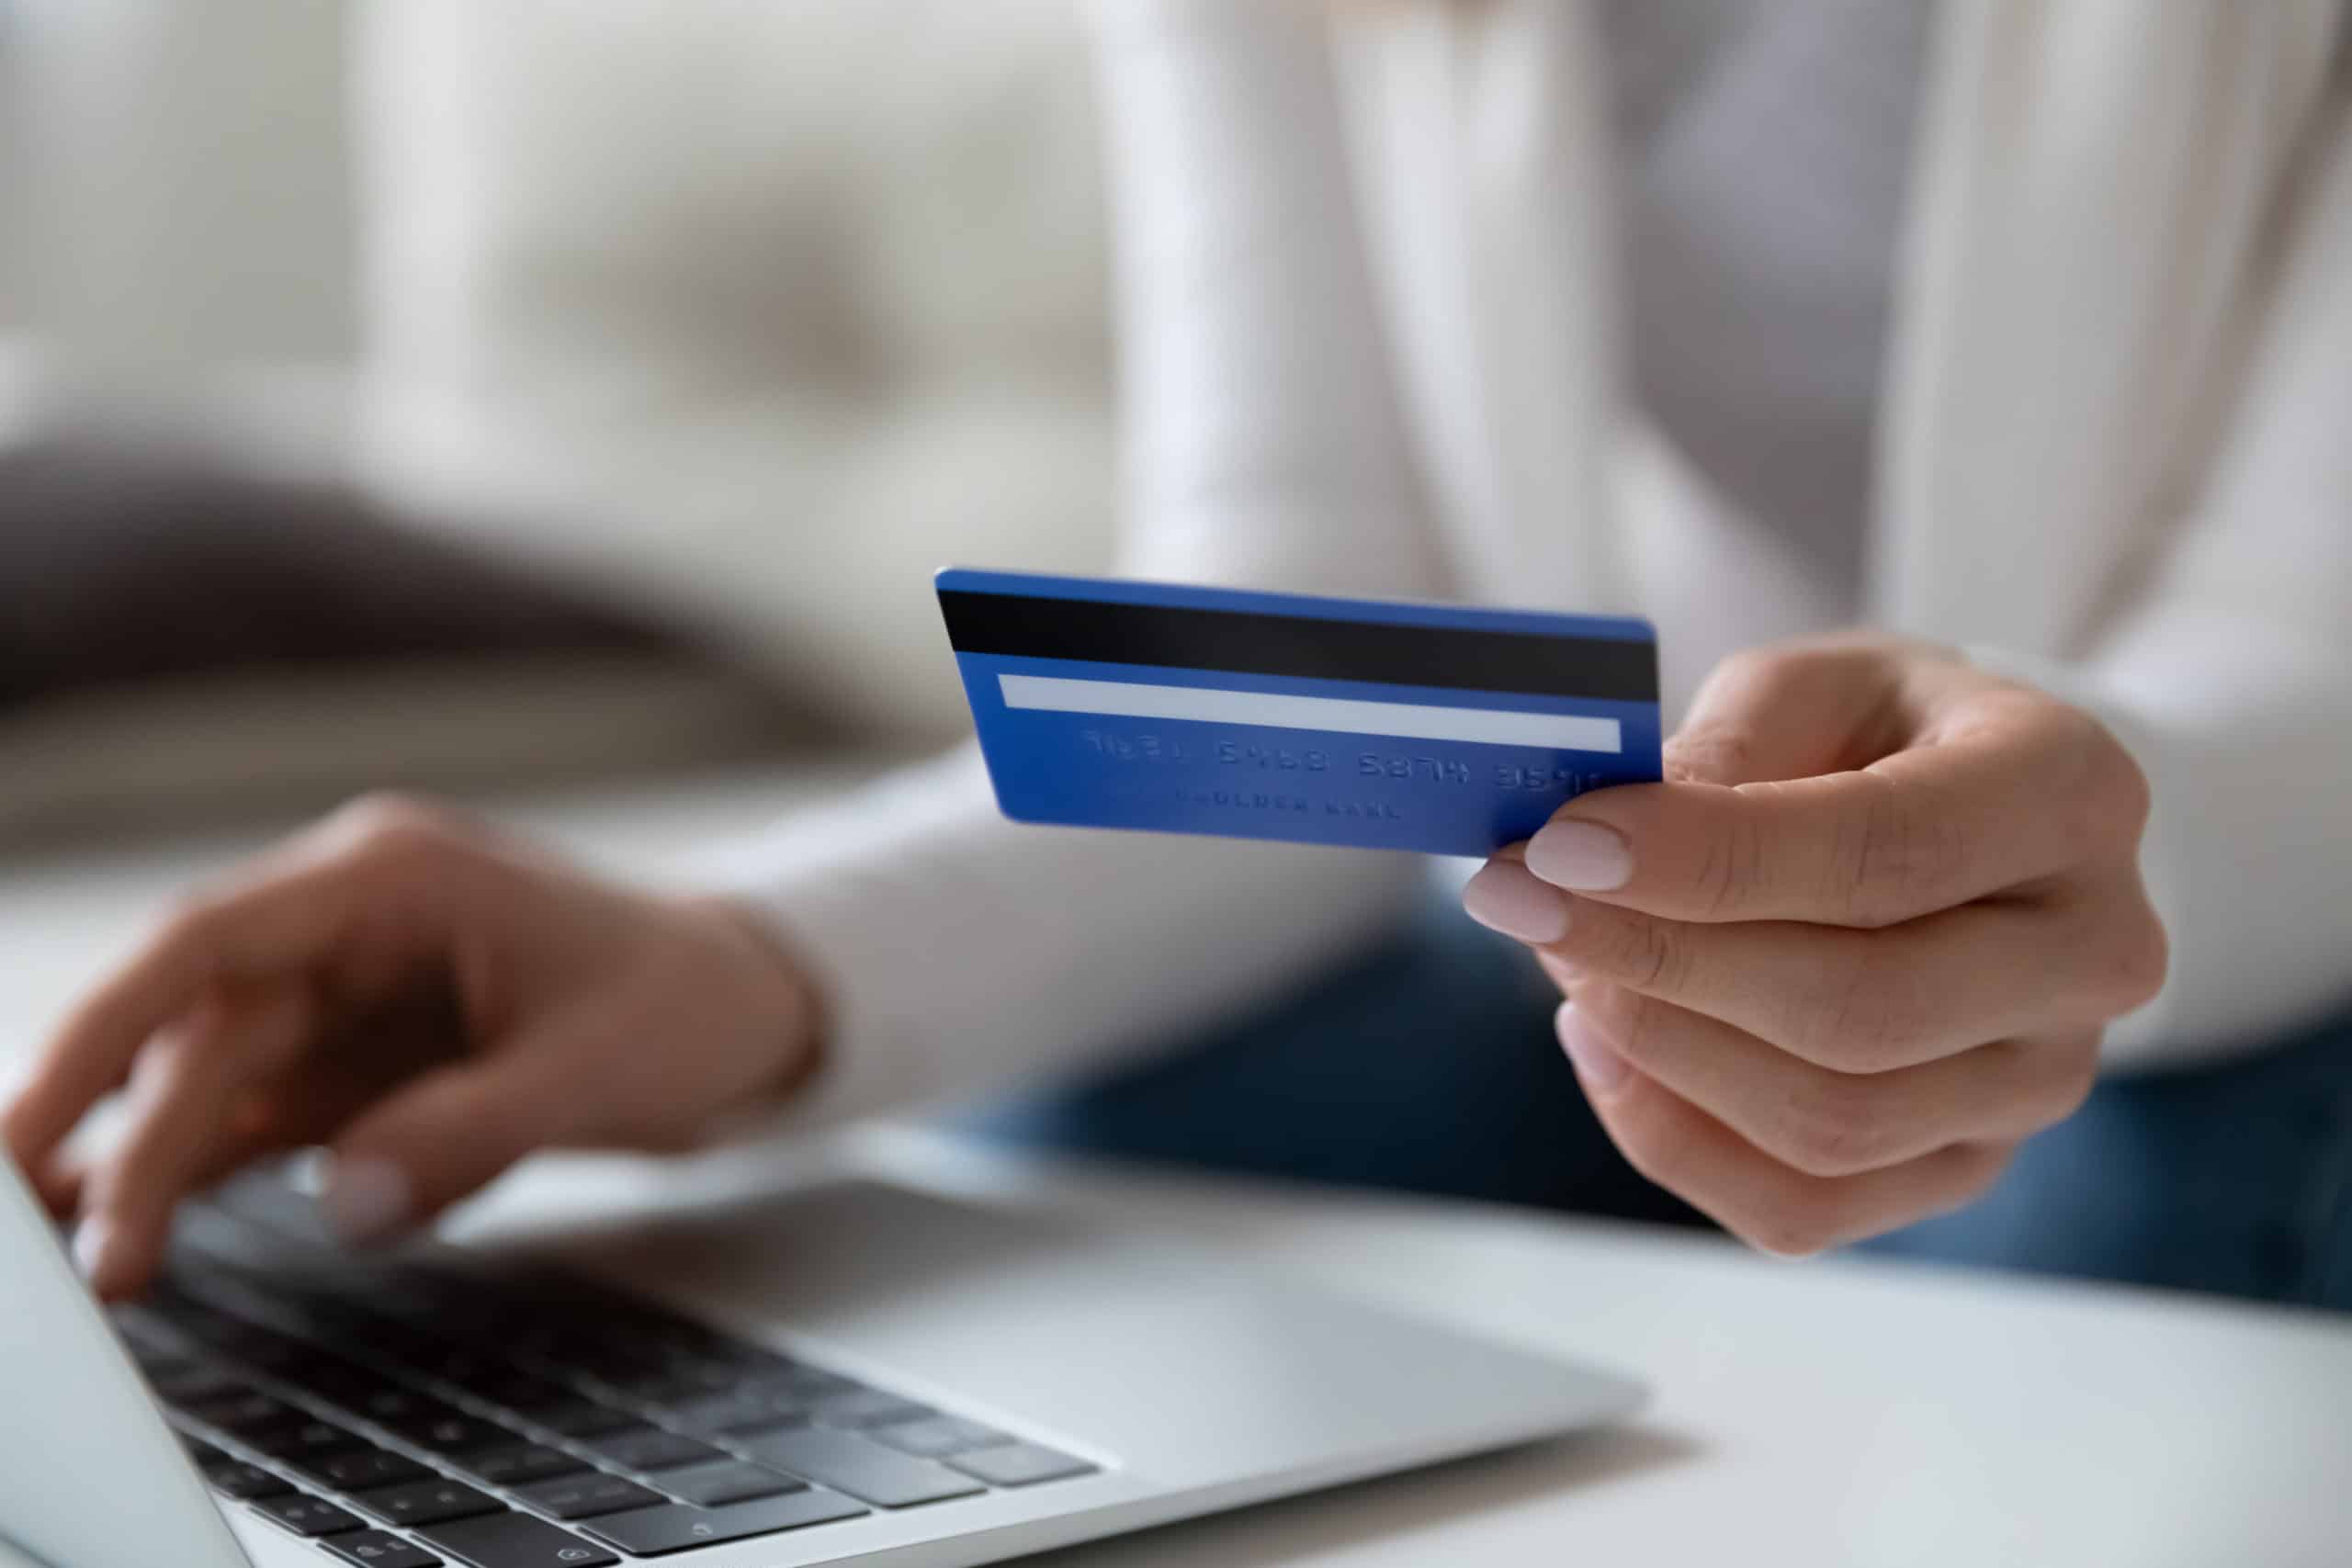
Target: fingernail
{"points": [[1585, 857], [1596, 1063], [366, 1199], [92, 1240], [1502, 896]]}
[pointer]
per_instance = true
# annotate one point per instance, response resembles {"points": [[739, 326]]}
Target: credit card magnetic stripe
{"points": [[1423, 653]]}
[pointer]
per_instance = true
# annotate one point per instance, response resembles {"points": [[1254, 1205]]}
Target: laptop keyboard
{"points": [[403, 1417]]}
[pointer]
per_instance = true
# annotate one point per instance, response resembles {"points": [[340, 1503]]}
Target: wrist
{"points": [[792, 1010]]}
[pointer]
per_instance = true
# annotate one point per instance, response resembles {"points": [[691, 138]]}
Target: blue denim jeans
{"points": [[1429, 1065]]}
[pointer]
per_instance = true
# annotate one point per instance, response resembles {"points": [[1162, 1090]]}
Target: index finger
{"points": [[278, 923], [1994, 809]]}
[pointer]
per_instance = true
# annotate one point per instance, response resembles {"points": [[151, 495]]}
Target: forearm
{"points": [[957, 951]]}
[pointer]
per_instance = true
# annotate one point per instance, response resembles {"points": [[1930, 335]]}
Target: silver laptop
{"points": [[851, 1372]]}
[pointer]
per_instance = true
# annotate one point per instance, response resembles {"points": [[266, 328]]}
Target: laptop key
{"points": [[663, 1387], [379, 1549], [745, 1357], [936, 1437], [798, 1382], [359, 1470], [333, 1379], [198, 1450], [650, 1532], [301, 1440], [866, 1407], [420, 1412], [520, 1392], [579, 1417], [729, 1481], [519, 1463], [427, 1502], [242, 1413], [649, 1449], [585, 1496], [393, 1407], [307, 1516], [251, 1343], [614, 1365], [463, 1365], [246, 1483], [515, 1540], [457, 1435], [1020, 1464], [866, 1471], [722, 1412]]}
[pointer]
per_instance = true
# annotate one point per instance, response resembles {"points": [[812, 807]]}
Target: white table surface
{"points": [[1840, 1411]]}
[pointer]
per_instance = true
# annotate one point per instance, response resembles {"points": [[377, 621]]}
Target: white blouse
{"points": [[1286, 429]]}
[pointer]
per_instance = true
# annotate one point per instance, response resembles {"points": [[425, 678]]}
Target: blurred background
{"points": [[465, 396]]}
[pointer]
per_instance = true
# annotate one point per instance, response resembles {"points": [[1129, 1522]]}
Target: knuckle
{"points": [[1755, 665], [192, 922], [1892, 859], [1647, 953], [1836, 1128], [2111, 798], [1862, 1017], [382, 808], [2146, 959], [1734, 871], [1712, 753], [1771, 669], [391, 826], [2132, 958], [387, 814], [2128, 797], [1722, 750]]}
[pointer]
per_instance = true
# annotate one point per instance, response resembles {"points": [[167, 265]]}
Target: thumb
{"points": [[447, 1134], [1791, 711]]}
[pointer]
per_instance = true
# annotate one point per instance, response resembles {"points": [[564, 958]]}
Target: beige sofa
{"points": [[743, 316]]}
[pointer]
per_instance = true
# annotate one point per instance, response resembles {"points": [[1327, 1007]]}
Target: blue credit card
{"points": [[1178, 709]]}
